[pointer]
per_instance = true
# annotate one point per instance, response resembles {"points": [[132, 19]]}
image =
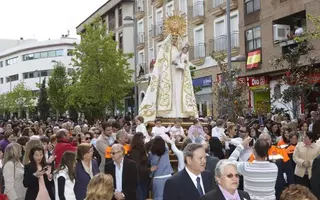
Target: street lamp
{"points": [[128, 18], [239, 58]]}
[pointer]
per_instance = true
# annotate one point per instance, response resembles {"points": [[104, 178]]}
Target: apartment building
{"points": [[113, 13], [264, 26], [206, 35]]}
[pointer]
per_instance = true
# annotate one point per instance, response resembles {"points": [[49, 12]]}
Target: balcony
{"points": [[143, 72], [141, 41], [157, 32], [111, 24], [196, 13], [219, 44], [139, 9], [218, 7], [197, 54], [157, 3]]}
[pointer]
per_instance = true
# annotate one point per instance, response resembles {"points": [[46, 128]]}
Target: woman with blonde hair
{"points": [[13, 171], [31, 143], [100, 187]]}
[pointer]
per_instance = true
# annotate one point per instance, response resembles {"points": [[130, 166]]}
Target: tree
{"points": [[299, 66], [43, 103], [229, 92], [57, 88], [102, 75], [19, 98]]}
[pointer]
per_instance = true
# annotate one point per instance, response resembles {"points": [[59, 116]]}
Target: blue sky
{"points": [[43, 19]]}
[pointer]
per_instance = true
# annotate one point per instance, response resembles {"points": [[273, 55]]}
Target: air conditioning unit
{"points": [[280, 32]]}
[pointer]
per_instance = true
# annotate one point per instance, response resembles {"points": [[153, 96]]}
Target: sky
{"points": [[43, 19]]}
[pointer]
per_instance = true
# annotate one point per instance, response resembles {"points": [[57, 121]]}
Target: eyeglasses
{"points": [[114, 153], [233, 175]]}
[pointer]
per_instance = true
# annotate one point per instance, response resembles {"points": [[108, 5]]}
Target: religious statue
{"points": [[170, 92]]}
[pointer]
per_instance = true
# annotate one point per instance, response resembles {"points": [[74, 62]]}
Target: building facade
{"points": [[113, 13], [264, 29], [30, 61], [206, 35]]}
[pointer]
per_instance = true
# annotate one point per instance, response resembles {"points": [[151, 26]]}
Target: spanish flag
{"points": [[254, 58]]}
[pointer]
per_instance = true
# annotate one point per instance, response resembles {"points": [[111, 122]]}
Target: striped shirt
{"points": [[259, 176]]}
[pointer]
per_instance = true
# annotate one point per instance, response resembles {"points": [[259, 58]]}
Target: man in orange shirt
{"points": [[282, 160]]}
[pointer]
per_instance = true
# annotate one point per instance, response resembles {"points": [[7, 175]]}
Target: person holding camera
{"points": [[259, 176], [37, 176]]}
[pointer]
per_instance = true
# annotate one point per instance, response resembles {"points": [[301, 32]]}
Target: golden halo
{"points": [[175, 24]]}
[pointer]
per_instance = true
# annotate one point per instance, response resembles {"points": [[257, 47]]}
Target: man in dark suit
{"points": [[211, 165], [227, 178], [124, 173], [193, 181], [314, 181]]}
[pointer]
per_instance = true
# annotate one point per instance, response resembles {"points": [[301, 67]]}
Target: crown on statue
{"points": [[175, 24]]}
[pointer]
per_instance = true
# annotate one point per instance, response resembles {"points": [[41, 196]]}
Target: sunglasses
{"points": [[242, 131], [88, 138], [114, 153], [233, 175]]}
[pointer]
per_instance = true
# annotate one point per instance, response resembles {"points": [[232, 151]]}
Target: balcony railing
{"points": [[220, 43], [217, 3], [112, 24], [196, 10], [141, 38], [157, 29], [143, 69], [197, 51]]}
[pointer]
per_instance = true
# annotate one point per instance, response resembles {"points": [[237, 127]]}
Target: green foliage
{"points": [[58, 88], [230, 94], [43, 103], [192, 69], [102, 74], [19, 98]]}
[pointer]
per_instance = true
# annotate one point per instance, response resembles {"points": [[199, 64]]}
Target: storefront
{"points": [[204, 97], [259, 97]]}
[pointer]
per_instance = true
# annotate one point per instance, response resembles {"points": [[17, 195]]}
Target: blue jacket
{"points": [[82, 179]]}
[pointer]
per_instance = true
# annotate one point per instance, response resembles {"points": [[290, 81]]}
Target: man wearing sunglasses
{"points": [[227, 177], [124, 173]]}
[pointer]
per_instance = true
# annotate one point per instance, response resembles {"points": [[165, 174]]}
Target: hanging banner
{"points": [[254, 59]]}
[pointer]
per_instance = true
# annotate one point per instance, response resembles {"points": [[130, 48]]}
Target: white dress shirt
{"points": [[194, 179], [119, 176]]}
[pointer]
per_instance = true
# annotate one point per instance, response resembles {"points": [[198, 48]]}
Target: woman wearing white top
{"points": [[142, 128], [13, 171], [64, 177]]}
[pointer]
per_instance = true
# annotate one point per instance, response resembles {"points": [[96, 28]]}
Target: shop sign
{"points": [[254, 59], [257, 81], [202, 82]]}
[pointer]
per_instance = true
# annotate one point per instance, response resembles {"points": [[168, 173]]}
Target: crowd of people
{"points": [[257, 158]]}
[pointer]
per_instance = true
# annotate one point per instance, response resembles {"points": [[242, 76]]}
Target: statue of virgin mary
{"points": [[170, 92]]}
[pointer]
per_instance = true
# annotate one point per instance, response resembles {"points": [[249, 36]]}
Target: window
{"points": [[120, 17], [11, 61], [150, 23], [252, 6], [69, 52], [159, 17], [253, 39], [1, 63], [169, 9], [277, 92], [141, 57], [121, 41], [140, 26], [12, 78], [183, 6], [59, 52], [36, 55], [151, 54], [44, 54], [1, 80], [199, 45]]}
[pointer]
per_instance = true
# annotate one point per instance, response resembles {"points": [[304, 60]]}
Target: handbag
{"points": [[152, 176]]}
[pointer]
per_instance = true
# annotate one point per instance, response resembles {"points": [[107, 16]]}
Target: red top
{"points": [[62, 146]]}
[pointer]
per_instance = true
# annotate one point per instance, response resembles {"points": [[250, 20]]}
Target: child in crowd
{"points": [[196, 133], [177, 131], [159, 130]]}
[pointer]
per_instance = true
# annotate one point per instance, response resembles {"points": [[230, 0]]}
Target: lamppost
{"points": [[128, 18]]}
